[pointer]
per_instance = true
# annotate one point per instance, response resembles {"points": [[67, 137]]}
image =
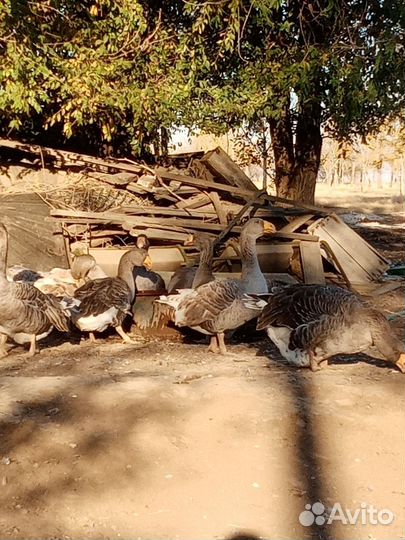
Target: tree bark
{"points": [[297, 164], [281, 131]]}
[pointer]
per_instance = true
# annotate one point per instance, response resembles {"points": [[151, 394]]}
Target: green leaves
{"points": [[119, 70]]}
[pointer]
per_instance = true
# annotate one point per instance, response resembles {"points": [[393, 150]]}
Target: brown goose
{"points": [[218, 306], [310, 323], [105, 302], [192, 277], [26, 314]]}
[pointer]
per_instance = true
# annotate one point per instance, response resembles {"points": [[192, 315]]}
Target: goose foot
{"points": [[213, 346], [125, 337], [33, 347]]}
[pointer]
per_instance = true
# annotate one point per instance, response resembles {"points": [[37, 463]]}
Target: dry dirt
{"points": [[163, 440]]}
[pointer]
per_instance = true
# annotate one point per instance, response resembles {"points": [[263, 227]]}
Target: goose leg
{"points": [[3, 341], [92, 337], [213, 346], [124, 335], [314, 363], [33, 346], [221, 343]]}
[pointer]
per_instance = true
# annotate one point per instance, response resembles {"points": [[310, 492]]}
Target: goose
{"points": [[105, 302], [310, 323], [27, 315], [190, 277], [218, 306]]}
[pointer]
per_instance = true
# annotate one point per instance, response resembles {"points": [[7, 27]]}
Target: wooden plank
{"points": [[119, 179], [226, 169], [293, 236], [359, 261], [296, 223], [238, 217], [296, 204], [311, 261], [163, 211], [72, 216], [206, 184], [219, 208], [194, 202], [64, 156]]}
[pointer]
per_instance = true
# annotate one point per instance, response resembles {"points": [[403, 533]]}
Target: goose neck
{"points": [[205, 264], [125, 272], [250, 262]]}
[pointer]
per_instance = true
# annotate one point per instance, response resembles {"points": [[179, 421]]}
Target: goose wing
{"points": [[207, 301], [36, 304], [99, 295], [304, 304]]}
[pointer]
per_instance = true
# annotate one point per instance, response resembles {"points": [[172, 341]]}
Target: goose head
{"points": [[142, 241], [256, 227]]}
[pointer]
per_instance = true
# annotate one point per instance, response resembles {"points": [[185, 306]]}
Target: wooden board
{"points": [[206, 184], [296, 223], [359, 261], [311, 261], [224, 168], [34, 242]]}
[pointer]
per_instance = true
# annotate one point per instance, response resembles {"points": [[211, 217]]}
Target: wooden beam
{"points": [[226, 169], [206, 184], [296, 223], [236, 219]]}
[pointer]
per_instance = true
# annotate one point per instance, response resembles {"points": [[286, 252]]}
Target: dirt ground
{"points": [[163, 440]]}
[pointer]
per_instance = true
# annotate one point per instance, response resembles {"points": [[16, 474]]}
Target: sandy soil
{"points": [[167, 441], [162, 440]]}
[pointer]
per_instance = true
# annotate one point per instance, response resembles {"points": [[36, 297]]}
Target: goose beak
{"points": [[190, 240], [147, 263], [268, 228], [400, 363]]}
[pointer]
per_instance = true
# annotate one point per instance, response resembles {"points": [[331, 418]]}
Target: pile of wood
{"points": [[207, 192]]}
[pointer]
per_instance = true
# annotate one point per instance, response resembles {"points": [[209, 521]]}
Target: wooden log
{"points": [[227, 170]]}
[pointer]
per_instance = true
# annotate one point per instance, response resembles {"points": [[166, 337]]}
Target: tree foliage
{"points": [[117, 72], [93, 71]]}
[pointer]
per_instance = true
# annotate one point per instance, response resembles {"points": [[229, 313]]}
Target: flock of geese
{"points": [[308, 323]]}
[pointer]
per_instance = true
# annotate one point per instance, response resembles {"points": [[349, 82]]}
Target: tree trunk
{"points": [[283, 150], [308, 147], [297, 164]]}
